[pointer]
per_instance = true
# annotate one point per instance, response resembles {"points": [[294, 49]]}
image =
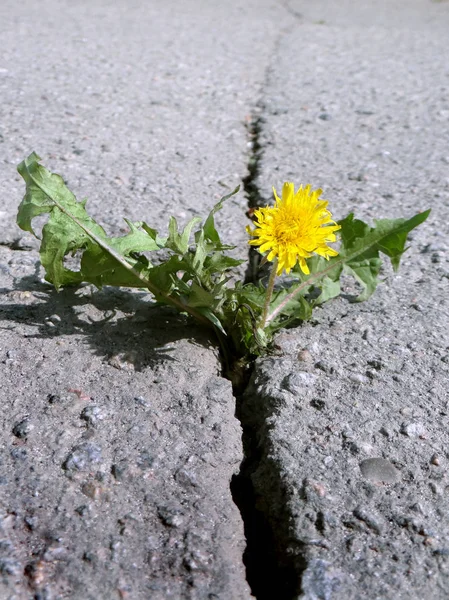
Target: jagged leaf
{"points": [[70, 229], [180, 242], [210, 233], [329, 289]]}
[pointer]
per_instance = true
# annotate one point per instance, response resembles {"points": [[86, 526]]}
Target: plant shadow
{"points": [[117, 324]]}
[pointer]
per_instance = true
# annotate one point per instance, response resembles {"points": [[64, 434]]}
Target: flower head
{"points": [[297, 226]]}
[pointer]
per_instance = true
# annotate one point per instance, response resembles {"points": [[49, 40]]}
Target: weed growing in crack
{"points": [[195, 273]]}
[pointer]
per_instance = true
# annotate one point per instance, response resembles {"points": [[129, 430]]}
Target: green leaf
{"points": [[36, 201], [361, 245], [358, 256], [154, 235], [329, 289], [365, 271], [213, 319], [180, 281], [393, 244], [210, 233], [180, 242], [100, 268], [219, 263]]}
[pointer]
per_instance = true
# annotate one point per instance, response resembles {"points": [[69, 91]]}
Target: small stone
{"points": [[320, 579], [296, 383], [82, 457], [91, 414], [369, 519], [325, 116], [305, 356], [171, 515], [31, 522], [435, 460], [318, 404], [413, 429], [379, 470], [9, 566], [54, 318], [141, 401], [358, 378], [145, 460], [186, 478], [435, 489], [118, 470], [441, 552], [435, 258], [347, 433], [372, 374], [22, 428], [376, 364], [19, 453], [55, 399], [91, 489], [82, 510], [89, 557], [324, 366], [386, 432]]}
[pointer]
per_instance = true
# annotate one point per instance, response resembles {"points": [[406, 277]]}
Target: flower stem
{"points": [[268, 294]]}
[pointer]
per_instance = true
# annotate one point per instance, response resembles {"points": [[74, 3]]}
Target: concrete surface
{"points": [[350, 423], [118, 439]]}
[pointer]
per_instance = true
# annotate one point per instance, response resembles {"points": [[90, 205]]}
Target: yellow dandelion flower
{"points": [[297, 226]]}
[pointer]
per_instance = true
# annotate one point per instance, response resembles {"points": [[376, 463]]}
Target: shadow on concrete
{"points": [[115, 322]]}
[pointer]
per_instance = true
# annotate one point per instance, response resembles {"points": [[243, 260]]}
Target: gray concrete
{"points": [[121, 489], [352, 418], [118, 438]]}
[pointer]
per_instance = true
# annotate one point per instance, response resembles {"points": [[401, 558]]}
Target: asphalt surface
{"points": [[119, 441]]}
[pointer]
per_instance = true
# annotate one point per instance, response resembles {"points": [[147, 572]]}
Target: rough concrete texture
{"points": [[351, 419], [115, 421], [118, 439], [140, 105], [121, 487]]}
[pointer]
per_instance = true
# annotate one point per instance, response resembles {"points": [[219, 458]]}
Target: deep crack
{"points": [[270, 572], [250, 186]]}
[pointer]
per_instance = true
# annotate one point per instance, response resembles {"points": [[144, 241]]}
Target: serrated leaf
{"points": [[180, 242], [210, 233], [154, 235], [36, 201], [199, 297], [200, 254], [365, 271], [329, 289], [393, 244], [220, 263], [358, 255]]}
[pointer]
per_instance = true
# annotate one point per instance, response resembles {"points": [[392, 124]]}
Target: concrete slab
{"points": [[118, 438], [115, 421], [349, 424], [141, 107]]}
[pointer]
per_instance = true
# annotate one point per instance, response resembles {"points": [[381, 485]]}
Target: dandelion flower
{"points": [[297, 226]]}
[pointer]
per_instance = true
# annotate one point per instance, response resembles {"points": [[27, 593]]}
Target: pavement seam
{"points": [[270, 573]]}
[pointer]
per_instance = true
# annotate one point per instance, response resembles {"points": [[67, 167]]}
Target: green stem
{"points": [[268, 294]]}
